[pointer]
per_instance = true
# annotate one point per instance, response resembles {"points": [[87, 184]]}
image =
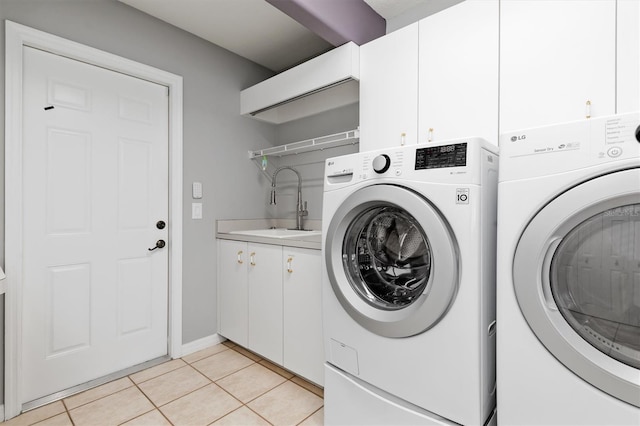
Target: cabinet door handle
{"points": [[240, 257], [289, 263], [588, 109], [430, 135], [252, 258]]}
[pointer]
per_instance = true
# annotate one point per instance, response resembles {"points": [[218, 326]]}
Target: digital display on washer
{"points": [[436, 157]]}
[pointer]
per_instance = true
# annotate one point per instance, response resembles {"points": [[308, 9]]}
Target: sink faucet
{"points": [[300, 211]]}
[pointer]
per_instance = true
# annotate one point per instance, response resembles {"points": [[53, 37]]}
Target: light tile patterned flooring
{"points": [[221, 385]]}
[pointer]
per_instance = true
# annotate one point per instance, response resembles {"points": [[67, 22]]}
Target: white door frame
{"points": [[18, 36]]}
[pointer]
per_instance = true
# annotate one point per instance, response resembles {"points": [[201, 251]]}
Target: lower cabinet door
{"points": [[303, 343], [265, 300], [233, 312]]}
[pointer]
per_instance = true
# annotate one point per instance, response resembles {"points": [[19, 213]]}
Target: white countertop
{"points": [[226, 230]]}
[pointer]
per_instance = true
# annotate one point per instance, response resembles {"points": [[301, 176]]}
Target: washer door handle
{"points": [[550, 250]]}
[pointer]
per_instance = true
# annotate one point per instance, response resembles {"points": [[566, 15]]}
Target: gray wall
{"points": [[310, 165], [216, 137], [419, 12]]}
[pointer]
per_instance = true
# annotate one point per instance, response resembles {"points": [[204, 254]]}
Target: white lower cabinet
{"points": [[265, 301], [233, 291], [303, 343], [269, 301]]}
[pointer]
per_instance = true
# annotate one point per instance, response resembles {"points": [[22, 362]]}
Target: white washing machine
{"points": [[569, 274], [409, 285]]}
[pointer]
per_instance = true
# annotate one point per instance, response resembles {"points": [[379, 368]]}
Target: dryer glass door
{"points": [[387, 257], [575, 275], [595, 278]]}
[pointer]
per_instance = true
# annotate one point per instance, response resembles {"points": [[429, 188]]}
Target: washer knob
{"points": [[638, 133], [381, 163]]}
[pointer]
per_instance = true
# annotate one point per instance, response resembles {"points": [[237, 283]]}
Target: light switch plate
{"points": [[196, 210]]}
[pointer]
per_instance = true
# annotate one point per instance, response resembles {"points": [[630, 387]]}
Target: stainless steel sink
{"points": [[278, 233]]}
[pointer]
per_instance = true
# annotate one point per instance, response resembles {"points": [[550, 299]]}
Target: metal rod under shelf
{"points": [[315, 144]]}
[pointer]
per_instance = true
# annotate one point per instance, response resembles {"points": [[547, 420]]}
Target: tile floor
{"points": [[221, 385]]}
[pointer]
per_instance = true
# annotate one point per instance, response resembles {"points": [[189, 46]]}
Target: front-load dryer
{"points": [[409, 284], [569, 274]]}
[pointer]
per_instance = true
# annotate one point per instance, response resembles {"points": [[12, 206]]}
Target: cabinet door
{"points": [[628, 55], [265, 301], [303, 341], [232, 290], [555, 56], [388, 90], [458, 72]]}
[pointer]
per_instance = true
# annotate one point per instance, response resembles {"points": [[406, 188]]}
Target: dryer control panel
{"points": [[570, 146]]}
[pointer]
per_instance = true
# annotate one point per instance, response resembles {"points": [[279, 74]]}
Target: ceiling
{"points": [[255, 29]]}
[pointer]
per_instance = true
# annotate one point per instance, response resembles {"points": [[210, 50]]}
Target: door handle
{"points": [[159, 244]]}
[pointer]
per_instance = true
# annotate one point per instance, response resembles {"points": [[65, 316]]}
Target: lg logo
{"points": [[518, 138]]}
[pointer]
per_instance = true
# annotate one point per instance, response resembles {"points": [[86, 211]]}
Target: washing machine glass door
{"points": [[392, 260], [582, 299], [387, 257]]}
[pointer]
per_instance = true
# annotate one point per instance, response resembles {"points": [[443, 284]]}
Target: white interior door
{"points": [[95, 170]]}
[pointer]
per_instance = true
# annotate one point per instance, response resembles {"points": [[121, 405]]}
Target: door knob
{"points": [[159, 244], [160, 224]]}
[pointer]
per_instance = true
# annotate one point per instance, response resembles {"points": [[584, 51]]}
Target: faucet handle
{"points": [[304, 211]]}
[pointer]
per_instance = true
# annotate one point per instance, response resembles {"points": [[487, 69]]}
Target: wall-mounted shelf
{"points": [[320, 84], [350, 137]]}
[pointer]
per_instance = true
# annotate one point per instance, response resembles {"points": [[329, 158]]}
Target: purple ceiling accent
{"points": [[336, 21]]}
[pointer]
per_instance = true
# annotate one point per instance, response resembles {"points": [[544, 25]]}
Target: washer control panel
{"points": [[451, 162], [435, 157]]}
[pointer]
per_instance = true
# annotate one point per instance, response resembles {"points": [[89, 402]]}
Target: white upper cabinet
{"points": [[388, 88], [434, 80], [458, 73], [628, 56], [557, 61]]}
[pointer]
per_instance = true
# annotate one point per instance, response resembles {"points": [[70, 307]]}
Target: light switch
{"points": [[196, 190], [196, 210]]}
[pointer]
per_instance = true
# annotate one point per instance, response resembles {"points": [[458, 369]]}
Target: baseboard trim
{"points": [[200, 344]]}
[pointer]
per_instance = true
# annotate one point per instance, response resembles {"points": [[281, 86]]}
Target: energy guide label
{"points": [[462, 196]]}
